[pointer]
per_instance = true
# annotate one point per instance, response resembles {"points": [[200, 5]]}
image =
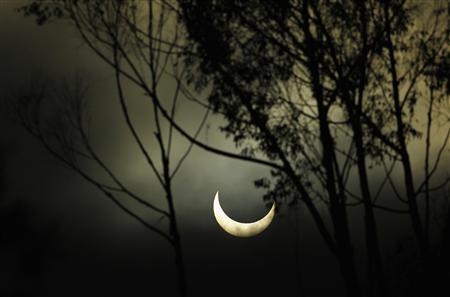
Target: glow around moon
{"points": [[241, 229]]}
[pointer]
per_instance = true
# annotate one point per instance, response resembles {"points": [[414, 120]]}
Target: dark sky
{"points": [[105, 252]]}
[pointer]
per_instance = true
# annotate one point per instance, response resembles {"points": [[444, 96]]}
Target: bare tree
{"points": [[140, 41]]}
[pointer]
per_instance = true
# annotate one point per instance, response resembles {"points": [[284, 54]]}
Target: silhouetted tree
{"points": [[322, 87]]}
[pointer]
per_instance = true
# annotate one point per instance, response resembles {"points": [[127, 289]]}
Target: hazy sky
{"points": [[107, 252]]}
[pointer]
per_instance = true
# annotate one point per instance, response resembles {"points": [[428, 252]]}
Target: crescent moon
{"points": [[241, 229]]}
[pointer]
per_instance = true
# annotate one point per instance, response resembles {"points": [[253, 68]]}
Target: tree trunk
{"points": [[376, 275], [404, 155], [179, 263], [337, 207], [375, 270]]}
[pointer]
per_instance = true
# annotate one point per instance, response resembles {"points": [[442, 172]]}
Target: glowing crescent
{"points": [[241, 229]]}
